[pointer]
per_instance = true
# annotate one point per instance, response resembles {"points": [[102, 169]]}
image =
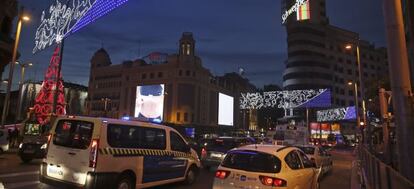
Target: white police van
{"points": [[107, 153]]}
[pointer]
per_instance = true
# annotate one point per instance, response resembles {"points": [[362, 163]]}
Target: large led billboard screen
{"points": [[225, 110], [149, 103]]}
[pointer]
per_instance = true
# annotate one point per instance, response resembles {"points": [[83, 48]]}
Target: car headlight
{"points": [[20, 145], [44, 146]]}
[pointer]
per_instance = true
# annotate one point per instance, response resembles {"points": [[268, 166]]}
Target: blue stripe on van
{"points": [[158, 168]]}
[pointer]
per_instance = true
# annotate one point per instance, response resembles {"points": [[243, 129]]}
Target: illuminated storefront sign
{"points": [[319, 98], [337, 114], [301, 8]]}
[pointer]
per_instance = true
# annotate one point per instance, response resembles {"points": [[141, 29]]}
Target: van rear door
{"points": [[69, 150]]}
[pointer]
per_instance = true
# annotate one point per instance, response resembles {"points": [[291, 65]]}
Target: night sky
{"points": [[229, 34]]}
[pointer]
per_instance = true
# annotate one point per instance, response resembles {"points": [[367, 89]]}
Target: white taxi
{"points": [[265, 167]]}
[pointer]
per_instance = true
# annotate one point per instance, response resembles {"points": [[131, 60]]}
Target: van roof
{"points": [[115, 121]]}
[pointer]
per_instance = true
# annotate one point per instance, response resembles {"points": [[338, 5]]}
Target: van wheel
{"points": [[25, 159], [125, 182], [191, 176]]}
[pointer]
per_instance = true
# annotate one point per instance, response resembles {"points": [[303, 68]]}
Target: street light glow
{"points": [[26, 18], [348, 47], [350, 83], [30, 64]]}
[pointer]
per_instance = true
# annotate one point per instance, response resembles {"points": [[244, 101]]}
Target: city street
{"points": [[14, 174]]}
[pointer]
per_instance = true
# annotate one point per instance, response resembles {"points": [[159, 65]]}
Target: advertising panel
{"points": [[149, 103], [226, 105]]}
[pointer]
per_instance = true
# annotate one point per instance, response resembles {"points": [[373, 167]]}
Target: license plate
{"points": [[54, 171], [216, 155], [28, 151]]}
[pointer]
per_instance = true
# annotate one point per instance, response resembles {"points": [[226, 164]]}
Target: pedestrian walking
{"points": [[15, 135]]}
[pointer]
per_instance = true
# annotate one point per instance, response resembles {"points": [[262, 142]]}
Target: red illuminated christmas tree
{"points": [[44, 101]]}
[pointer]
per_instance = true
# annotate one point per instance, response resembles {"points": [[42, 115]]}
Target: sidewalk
{"points": [[355, 176]]}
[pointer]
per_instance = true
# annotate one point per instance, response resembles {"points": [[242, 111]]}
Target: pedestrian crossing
{"points": [[20, 180]]}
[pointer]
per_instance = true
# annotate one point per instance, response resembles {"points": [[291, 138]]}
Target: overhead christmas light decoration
{"points": [[286, 99], [337, 114], [62, 20]]}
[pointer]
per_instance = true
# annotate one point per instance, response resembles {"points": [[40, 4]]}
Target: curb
{"points": [[355, 176]]}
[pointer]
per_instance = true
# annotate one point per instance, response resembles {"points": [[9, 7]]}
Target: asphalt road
{"points": [[16, 175]]}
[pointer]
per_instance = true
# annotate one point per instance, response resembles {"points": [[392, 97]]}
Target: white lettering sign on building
{"points": [[294, 9]]}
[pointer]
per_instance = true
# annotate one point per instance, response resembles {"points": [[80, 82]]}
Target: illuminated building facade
{"points": [[190, 90], [8, 11], [317, 57]]}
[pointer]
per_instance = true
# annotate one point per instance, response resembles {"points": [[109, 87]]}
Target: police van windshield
{"points": [[73, 134]]}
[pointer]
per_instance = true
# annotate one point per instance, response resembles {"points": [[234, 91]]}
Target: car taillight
{"points": [[270, 181], [222, 174], [93, 155], [203, 153], [49, 138]]}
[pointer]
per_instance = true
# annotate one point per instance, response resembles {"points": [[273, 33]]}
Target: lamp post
{"points": [[106, 101], [21, 18], [20, 98], [364, 117], [358, 118]]}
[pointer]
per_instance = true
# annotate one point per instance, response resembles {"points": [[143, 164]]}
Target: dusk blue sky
{"points": [[229, 34]]}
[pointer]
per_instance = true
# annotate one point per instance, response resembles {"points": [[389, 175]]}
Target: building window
{"points": [[187, 73], [185, 117], [351, 93], [188, 49], [152, 75], [180, 73], [160, 74], [349, 72], [178, 117], [193, 74], [342, 102], [144, 76], [351, 103], [192, 117], [342, 91]]}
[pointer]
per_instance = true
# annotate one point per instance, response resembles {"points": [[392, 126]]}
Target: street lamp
{"points": [[358, 118], [20, 98], [22, 17], [106, 101], [358, 57]]}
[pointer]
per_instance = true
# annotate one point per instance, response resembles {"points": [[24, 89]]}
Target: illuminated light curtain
{"points": [[44, 101], [303, 12]]}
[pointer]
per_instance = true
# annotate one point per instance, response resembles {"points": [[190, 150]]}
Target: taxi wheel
{"points": [[191, 176], [125, 182]]}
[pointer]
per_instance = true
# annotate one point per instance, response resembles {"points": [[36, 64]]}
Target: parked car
{"points": [[319, 156], [4, 142], [214, 150], [266, 166]]}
